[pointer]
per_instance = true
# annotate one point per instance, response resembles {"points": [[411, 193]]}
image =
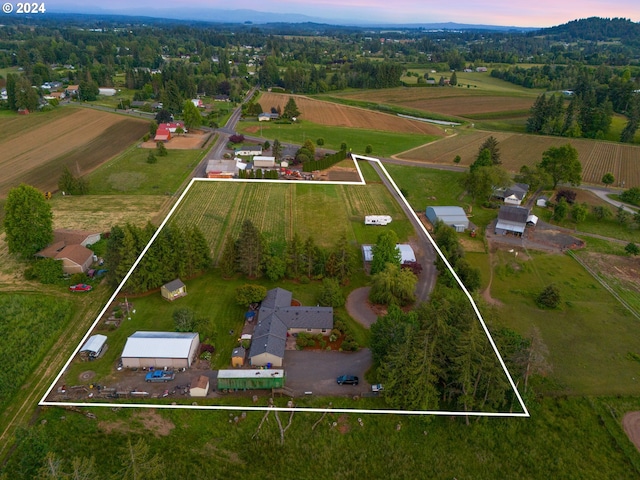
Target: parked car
{"points": [[347, 380], [376, 388], [160, 376], [80, 287]]}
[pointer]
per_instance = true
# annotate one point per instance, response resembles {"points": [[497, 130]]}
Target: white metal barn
{"points": [[262, 161], [377, 220], [160, 350]]}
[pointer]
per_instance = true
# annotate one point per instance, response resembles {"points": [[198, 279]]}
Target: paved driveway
{"points": [[316, 371]]}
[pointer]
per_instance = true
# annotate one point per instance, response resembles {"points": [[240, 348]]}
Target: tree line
{"points": [[177, 252], [253, 256]]}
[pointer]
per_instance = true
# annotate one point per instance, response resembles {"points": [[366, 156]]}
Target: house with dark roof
{"points": [[277, 319], [512, 219], [513, 195]]}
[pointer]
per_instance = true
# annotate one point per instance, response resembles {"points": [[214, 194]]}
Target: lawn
{"points": [[589, 337], [384, 144], [130, 173]]}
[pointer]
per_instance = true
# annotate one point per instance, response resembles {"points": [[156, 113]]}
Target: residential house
{"points": [[248, 151], [72, 90], [277, 319], [197, 102], [70, 247], [513, 195], [265, 117]]}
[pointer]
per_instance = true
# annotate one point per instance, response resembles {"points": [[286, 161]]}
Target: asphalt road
{"points": [[316, 371]]}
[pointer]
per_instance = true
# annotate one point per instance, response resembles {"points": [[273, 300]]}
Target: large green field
{"points": [[324, 212], [383, 144], [130, 173]]}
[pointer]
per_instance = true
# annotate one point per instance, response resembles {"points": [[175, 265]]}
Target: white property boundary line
{"points": [[356, 158]]}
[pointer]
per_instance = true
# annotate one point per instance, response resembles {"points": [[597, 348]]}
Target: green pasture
{"points": [[29, 326], [589, 337], [324, 212], [384, 144], [564, 438], [129, 173], [609, 228]]}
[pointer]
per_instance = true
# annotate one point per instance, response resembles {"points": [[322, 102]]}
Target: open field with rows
{"points": [[327, 113], [280, 210], [477, 96], [597, 157], [35, 148]]}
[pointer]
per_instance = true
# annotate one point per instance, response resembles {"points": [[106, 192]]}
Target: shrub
{"points": [[151, 158], [320, 141], [549, 297], [568, 195], [146, 137], [184, 320], [632, 249], [236, 138]]}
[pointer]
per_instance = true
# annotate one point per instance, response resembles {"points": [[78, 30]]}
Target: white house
{"points": [[197, 102], [248, 151]]}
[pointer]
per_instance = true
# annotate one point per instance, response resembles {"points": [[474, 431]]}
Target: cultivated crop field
{"points": [[453, 101], [597, 157], [327, 113], [280, 210], [36, 147]]}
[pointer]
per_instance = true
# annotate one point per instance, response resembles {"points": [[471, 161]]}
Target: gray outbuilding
{"points": [[449, 215], [160, 350]]}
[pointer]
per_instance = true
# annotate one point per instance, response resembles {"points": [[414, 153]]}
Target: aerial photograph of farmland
{"points": [[279, 240]]}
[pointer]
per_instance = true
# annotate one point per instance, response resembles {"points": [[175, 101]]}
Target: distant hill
{"points": [[596, 29]]}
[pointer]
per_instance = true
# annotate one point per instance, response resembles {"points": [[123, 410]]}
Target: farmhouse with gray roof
{"points": [[277, 319]]}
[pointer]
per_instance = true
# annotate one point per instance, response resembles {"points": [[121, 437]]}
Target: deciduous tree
{"points": [[28, 221], [562, 164], [191, 115], [385, 252]]}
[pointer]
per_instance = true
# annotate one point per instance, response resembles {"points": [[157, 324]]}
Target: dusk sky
{"points": [[540, 13]]}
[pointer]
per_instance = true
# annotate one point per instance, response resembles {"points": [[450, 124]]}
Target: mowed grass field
{"points": [[331, 114], [35, 148], [279, 210], [596, 157]]}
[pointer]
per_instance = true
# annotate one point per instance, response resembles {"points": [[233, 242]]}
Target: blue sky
{"points": [[540, 13]]}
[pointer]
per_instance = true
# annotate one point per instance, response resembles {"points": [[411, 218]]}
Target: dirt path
{"points": [[631, 425], [359, 308], [486, 293]]}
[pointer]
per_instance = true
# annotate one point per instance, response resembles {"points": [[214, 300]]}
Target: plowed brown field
{"points": [[458, 102], [597, 158], [331, 114], [81, 140]]}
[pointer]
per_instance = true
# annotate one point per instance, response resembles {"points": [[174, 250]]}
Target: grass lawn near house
{"points": [[129, 173], [589, 337], [213, 301], [384, 144]]}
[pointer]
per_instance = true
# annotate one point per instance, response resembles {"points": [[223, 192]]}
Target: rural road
{"points": [[425, 253]]}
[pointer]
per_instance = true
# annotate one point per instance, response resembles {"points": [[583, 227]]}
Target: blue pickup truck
{"points": [[160, 376]]}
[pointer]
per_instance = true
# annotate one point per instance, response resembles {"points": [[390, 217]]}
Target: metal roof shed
{"points": [[94, 345], [160, 349], [449, 215]]}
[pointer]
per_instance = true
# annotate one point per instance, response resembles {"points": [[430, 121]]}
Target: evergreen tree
{"points": [[629, 131], [490, 144], [250, 249], [295, 256], [276, 149], [339, 264], [227, 263], [291, 109], [310, 256]]}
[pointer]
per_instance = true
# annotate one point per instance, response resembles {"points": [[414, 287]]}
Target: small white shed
{"points": [[199, 386], [94, 346]]}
